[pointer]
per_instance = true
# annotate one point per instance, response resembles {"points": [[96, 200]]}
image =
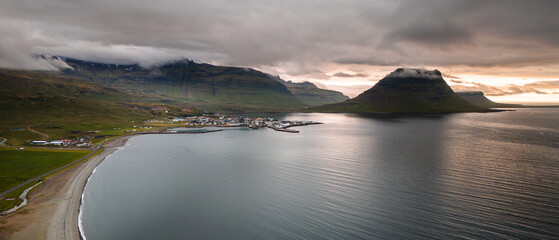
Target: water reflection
{"points": [[354, 177]]}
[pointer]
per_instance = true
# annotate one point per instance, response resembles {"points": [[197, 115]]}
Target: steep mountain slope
{"points": [[202, 85], [311, 95], [406, 91], [58, 104], [478, 98]]}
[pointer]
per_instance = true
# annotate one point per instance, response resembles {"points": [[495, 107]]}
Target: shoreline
{"points": [[71, 214], [53, 208]]}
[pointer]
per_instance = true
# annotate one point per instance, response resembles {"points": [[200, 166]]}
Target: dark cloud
{"points": [[348, 75], [289, 36], [440, 23], [370, 61], [436, 35], [472, 33]]}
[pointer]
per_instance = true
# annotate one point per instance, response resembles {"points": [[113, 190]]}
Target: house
{"points": [[66, 142], [39, 142]]}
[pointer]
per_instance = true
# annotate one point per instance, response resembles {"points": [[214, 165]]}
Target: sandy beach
{"points": [[52, 210]]}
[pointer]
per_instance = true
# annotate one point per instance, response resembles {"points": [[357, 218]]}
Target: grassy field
{"points": [[7, 204], [17, 166]]}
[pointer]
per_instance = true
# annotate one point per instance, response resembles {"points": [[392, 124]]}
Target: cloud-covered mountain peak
{"points": [[415, 73]]}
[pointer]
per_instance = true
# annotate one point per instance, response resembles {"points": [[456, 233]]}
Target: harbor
{"points": [[218, 122]]}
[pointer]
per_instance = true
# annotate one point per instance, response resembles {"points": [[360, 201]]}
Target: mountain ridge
{"points": [[203, 85], [312, 95], [478, 98]]}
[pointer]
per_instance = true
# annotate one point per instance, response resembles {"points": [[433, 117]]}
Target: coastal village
{"points": [[214, 121], [82, 142], [223, 120]]}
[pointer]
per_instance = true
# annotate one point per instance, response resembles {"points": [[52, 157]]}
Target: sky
{"points": [[507, 49]]}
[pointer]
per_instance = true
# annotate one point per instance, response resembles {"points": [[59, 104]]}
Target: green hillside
{"points": [[405, 91], [62, 106], [202, 85]]}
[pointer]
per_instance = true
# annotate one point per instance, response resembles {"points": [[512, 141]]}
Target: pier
{"points": [[280, 129], [284, 126]]}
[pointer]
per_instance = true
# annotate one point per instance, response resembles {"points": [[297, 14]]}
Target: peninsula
{"points": [[405, 90]]}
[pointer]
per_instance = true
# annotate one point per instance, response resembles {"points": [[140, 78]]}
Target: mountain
{"points": [[64, 106], [209, 87], [311, 95], [478, 98], [405, 90]]}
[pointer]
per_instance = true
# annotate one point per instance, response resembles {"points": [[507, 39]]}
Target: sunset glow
{"points": [[509, 51]]}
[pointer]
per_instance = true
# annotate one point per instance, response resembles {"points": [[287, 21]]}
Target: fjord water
{"points": [[470, 175]]}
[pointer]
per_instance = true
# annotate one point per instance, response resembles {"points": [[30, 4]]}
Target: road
{"points": [[44, 135]]}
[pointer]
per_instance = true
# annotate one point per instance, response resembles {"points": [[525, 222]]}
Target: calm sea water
{"points": [[470, 176]]}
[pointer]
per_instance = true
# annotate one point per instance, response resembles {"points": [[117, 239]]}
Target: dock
{"points": [[279, 129], [282, 128]]}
